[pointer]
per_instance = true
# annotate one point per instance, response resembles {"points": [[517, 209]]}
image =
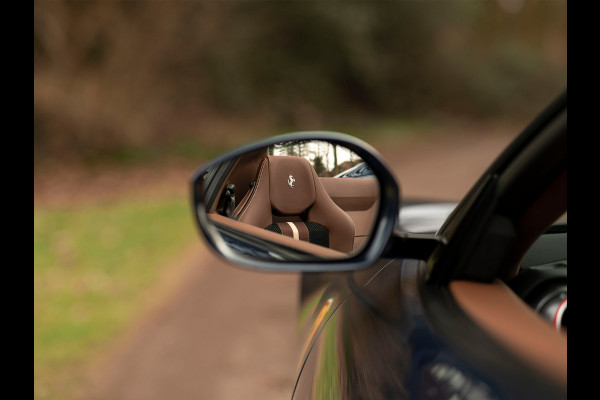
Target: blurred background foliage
{"points": [[131, 80]]}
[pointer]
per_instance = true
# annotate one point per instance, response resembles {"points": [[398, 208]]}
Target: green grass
{"points": [[92, 267], [182, 149]]}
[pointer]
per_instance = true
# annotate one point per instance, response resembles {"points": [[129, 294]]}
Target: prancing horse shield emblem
{"points": [[291, 181]]}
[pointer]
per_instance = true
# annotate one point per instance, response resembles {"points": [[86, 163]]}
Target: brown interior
{"points": [[496, 308], [275, 200], [359, 198], [242, 174], [347, 207], [277, 238]]}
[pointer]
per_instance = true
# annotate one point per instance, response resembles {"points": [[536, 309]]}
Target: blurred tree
{"points": [[318, 166], [121, 74]]}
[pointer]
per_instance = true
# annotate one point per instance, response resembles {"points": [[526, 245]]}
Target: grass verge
{"points": [[92, 267]]}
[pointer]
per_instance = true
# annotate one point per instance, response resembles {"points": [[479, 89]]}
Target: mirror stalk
{"points": [[412, 245]]}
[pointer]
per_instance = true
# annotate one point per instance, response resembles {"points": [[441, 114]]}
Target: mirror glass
{"points": [[294, 201]]}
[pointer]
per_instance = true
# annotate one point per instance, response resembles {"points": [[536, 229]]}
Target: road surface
{"points": [[228, 333]]}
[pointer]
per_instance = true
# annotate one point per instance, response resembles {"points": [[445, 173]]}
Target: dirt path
{"points": [[228, 333], [444, 166]]}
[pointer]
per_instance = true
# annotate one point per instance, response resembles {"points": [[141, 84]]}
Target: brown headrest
{"points": [[292, 186]]}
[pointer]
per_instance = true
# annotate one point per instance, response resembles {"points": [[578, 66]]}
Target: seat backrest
{"points": [[288, 193]]}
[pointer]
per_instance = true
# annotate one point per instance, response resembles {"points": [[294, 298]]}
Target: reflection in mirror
{"points": [[297, 200]]}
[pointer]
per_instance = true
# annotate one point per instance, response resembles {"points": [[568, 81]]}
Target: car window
{"points": [[327, 159]]}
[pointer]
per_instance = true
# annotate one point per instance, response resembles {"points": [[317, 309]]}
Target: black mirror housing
{"points": [[301, 202]]}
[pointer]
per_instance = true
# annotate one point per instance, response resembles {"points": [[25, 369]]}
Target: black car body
{"points": [[473, 310]]}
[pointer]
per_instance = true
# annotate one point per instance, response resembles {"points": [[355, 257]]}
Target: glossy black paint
{"points": [[507, 209], [380, 339]]}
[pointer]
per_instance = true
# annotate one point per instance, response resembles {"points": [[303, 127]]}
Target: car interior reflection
{"points": [[270, 204]]}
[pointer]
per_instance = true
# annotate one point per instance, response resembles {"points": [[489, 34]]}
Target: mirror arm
{"points": [[412, 245]]}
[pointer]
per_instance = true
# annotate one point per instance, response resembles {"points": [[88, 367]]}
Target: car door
{"points": [[442, 321]]}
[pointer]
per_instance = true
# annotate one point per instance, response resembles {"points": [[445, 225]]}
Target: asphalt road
{"points": [[228, 333]]}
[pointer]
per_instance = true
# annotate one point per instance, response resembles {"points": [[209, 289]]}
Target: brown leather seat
{"points": [[287, 192]]}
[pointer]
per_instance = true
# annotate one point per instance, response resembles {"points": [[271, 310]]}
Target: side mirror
{"points": [[312, 201]]}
